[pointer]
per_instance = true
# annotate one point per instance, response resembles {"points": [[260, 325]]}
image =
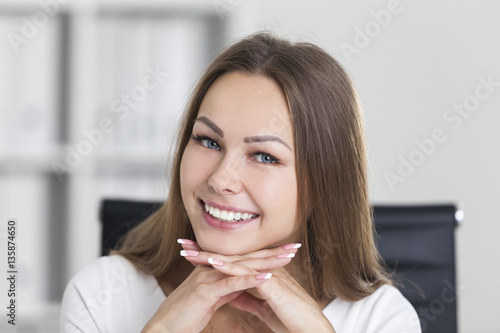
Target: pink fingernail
{"points": [[285, 255], [189, 253], [185, 241], [263, 276], [216, 262], [290, 246]]}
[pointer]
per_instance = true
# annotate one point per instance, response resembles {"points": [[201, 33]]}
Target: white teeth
{"points": [[227, 216]]}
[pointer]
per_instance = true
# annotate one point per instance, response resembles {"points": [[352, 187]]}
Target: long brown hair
{"points": [[339, 257]]}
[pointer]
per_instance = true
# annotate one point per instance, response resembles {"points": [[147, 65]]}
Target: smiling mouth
{"points": [[227, 216]]}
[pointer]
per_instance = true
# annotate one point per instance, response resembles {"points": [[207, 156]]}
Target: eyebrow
{"points": [[251, 139], [212, 125], [265, 138]]}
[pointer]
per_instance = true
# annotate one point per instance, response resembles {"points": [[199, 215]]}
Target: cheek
{"points": [[194, 171], [277, 196]]}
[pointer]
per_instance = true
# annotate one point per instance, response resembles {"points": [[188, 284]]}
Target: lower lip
{"points": [[212, 221]]}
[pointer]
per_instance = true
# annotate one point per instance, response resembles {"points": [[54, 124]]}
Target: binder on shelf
{"points": [[29, 87], [147, 118]]}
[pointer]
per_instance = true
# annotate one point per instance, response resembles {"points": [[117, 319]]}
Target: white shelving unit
{"points": [[86, 113]]}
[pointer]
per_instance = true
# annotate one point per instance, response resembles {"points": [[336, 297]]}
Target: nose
{"points": [[226, 177]]}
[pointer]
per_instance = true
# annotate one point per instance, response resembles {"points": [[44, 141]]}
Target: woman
{"points": [[268, 200]]}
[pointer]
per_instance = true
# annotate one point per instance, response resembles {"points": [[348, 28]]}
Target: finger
{"points": [[190, 254], [232, 269], [271, 262], [227, 299], [282, 251], [222, 291], [283, 295], [283, 286], [285, 307], [260, 308], [288, 247], [249, 303], [188, 244], [250, 266], [258, 264], [200, 257]]}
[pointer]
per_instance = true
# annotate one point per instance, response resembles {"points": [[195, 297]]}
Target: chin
{"points": [[225, 248]]}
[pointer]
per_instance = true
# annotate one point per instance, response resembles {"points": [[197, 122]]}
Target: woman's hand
{"points": [[285, 306], [192, 304]]}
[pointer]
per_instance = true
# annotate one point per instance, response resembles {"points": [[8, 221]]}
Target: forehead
{"points": [[249, 105]]}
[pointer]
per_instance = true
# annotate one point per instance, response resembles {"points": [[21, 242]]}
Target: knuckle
{"points": [[230, 283], [201, 291], [242, 261], [200, 277]]}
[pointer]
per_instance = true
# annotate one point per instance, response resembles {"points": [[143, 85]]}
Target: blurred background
{"points": [[91, 93]]}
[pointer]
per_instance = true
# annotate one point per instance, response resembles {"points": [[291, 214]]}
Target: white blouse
{"points": [[110, 295]]}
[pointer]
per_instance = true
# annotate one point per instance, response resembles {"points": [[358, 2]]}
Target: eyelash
{"points": [[201, 138], [274, 160]]}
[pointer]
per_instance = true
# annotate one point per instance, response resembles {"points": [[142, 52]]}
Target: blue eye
{"points": [[209, 143], [206, 142], [265, 158]]}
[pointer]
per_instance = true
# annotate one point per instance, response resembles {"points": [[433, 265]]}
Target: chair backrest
{"points": [[119, 216], [416, 242]]}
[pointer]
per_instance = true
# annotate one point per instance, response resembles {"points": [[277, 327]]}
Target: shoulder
{"points": [[386, 310], [106, 290], [107, 277]]}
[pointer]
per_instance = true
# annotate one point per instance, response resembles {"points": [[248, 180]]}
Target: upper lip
{"points": [[228, 208]]}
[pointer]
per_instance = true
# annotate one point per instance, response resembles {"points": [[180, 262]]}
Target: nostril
{"points": [[223, 181]]}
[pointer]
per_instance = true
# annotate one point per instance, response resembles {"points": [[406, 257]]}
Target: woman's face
{"points": [[240, 166]]}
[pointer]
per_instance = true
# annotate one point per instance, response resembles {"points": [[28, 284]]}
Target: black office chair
{"points": [[416, 242]]}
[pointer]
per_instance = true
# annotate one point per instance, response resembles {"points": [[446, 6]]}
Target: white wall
{"points": [[430, 56]]}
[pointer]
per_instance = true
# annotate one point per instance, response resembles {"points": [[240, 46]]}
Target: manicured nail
{"points": [[189, 253], [290, 246], [285, 255], [263, 276], [185, 241], [216, 262]]}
